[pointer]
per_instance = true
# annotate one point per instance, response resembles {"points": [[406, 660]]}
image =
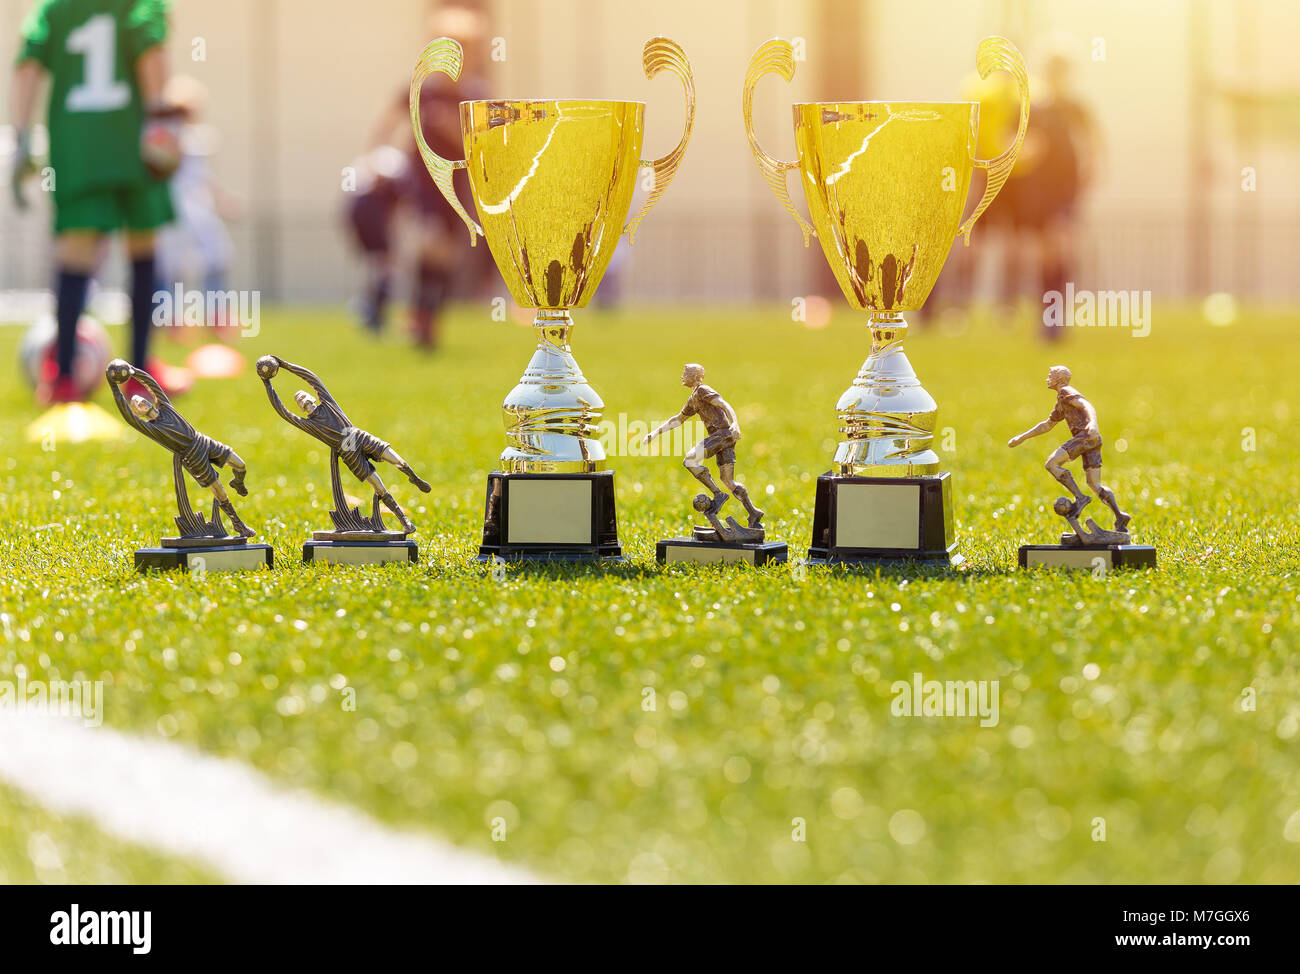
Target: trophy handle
{"points": [[445, 55], [997, 52], [775, 56], [660, 54]]}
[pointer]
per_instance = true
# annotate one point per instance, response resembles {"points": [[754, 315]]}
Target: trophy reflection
{"points": [[886, 185], [552, 182]]}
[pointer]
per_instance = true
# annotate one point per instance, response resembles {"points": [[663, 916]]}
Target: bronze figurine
{"points": [[156, 418], [358, 449], [723, 431], [1085, 441]]}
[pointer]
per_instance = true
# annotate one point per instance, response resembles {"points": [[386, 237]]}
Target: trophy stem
{"points": [[886, 415], [552, 414]]}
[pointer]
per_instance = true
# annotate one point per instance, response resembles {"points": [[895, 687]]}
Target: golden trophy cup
{"points": [[552, 182], [886, 184]]}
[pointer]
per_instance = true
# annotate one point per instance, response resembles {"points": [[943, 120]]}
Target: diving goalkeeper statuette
{"points": [[203, 544], [357, 538]]}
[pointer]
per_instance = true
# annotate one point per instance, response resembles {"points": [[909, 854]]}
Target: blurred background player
{"points": [[195, 250], [443, 246], [1056, 166], [110, 146]]}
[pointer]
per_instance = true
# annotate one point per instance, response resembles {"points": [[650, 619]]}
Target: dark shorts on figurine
{"points": [[1086, 445], [358, 449], [721, 446], [203, 457]]}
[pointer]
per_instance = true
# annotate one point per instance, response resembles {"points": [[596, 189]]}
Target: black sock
{"points": [[377, 299], [71, 302], [430, 288], [144, 283]]}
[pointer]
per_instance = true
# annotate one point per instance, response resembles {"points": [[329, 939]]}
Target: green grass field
{"points": [[525, 699]]}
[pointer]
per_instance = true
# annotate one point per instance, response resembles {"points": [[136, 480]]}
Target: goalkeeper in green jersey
{"points": [[110, 148]]}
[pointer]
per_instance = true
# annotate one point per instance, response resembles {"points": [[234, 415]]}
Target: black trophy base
{"points": [[864, 520], [360, 552], [672, 551], [1101, 557], [550, 517], [205, 558]]}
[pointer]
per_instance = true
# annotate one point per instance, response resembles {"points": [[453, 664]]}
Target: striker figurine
{"points": [[1087, 546], [1085, 441], [723, 433]]}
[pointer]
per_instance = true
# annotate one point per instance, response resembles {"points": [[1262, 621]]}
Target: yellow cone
{"points": [[75, 422]]}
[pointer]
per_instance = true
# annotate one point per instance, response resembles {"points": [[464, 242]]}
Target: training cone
{"points": [[215, 361], [74, 422]]}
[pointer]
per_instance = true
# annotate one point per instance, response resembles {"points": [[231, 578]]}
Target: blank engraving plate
{"points": [[225, 561], [878, 516], [1069, 559], [707, 556], [549, 512]]}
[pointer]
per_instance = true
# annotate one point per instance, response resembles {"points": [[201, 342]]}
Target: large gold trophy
{"points": [[886, 184], [552, 182]]}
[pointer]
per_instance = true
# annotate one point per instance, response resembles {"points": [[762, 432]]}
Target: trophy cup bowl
{"points": [[885, 184], [552, 181]]}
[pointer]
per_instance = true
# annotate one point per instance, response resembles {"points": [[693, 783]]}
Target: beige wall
{"points": [[295, 84]]}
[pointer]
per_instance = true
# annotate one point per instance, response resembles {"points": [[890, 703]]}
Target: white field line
{"points": [[219, 812]]}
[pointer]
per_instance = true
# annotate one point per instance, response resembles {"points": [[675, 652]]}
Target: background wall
{"points": [[295, 86]]}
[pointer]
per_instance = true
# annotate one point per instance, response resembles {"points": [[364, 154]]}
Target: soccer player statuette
{"points": [[357, 538], [721, 541], [1091, 546], [203, 544]]}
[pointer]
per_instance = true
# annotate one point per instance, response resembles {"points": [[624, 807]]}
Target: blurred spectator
{"points": [[1056, 166], [196, 248], [444, 243]]}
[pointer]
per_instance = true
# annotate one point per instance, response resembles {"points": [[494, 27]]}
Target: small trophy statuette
{"points": [[203, 543], [720, 541], [357, 539], [1091, 546]]}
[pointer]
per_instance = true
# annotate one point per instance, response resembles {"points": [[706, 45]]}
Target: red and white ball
{"points": [[92, 355]]}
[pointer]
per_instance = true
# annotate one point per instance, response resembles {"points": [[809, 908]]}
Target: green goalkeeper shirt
{"points": [[96, 112]]}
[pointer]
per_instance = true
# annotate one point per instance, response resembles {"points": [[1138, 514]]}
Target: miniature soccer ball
{"points": [[702, 502], [1063, 506], [267, 366], [117, 372]]}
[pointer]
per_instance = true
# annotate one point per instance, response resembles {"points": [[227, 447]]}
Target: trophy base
{"points": [[883, 519], [368, 552], [1101, 556], [550, 517], [672, 551], [205, 557]]}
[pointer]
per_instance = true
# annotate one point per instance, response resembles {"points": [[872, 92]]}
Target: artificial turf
{"points": [[717, 724]]}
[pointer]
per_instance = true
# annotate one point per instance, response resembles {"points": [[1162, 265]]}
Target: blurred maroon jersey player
{"points": [[444, 244]]}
